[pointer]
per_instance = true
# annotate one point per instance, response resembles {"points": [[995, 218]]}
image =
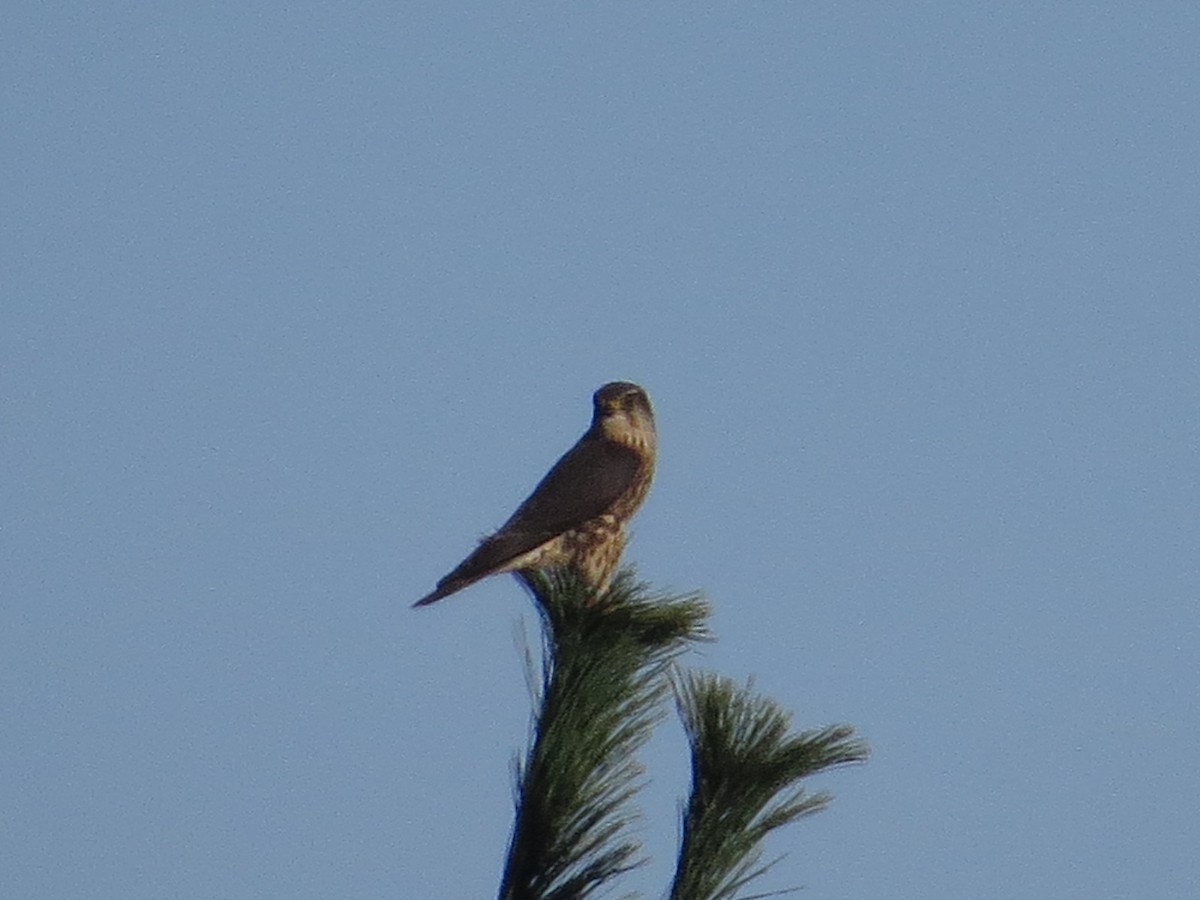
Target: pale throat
{"points": [[631, 428]]}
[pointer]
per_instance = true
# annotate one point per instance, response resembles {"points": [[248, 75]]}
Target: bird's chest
{"points": [[592, 532]]}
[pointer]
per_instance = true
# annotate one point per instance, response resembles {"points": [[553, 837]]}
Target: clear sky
{"points": [[297, 301]]}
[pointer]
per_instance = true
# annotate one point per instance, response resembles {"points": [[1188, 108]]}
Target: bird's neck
{"points": [[631, 429]]}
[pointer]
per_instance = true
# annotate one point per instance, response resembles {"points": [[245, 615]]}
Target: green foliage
{"points": [[745, 766], [598, 694], [603, 679]]}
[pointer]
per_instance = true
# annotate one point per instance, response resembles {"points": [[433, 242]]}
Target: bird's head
{"points": [[623, 413]]}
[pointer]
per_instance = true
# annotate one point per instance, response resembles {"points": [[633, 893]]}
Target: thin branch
{"points": [[745, 768], [603, 679]]}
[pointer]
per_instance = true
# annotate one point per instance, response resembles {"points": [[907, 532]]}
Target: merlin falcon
{"points": [[576, 516]]}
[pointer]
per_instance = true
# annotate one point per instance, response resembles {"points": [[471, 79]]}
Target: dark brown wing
{"points": [[585, 483]]}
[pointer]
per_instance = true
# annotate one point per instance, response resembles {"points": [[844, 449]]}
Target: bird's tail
{"points": [[432, 597], [445, 588]]}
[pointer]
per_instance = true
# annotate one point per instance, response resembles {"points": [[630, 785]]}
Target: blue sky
{"points": [[298, 302]]}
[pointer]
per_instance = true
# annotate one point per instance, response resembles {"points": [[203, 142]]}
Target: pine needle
{"points": [[745, 769], [603, 678]]}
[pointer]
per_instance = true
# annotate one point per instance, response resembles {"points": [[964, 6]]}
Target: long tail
{"points": [[445, 588], [494, 555]]}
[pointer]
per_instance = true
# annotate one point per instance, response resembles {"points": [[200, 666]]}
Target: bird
{"points": [[576, 516]]}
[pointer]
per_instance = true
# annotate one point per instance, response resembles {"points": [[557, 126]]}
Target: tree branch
{"points": [[603, 678]]}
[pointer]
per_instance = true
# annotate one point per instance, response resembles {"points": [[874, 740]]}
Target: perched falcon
{"points": [[576, 515]]}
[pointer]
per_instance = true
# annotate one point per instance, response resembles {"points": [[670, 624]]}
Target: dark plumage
{"points": [[576, 515]]}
